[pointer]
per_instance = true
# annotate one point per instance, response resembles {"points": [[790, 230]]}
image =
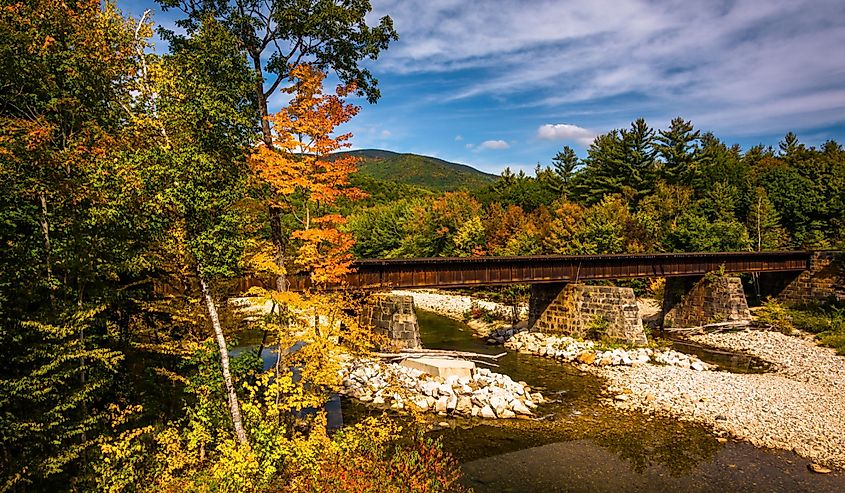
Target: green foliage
{"points": [[420, 171], [379, 230], [382, 191], [526, 192], [763, 223], [826, 321], [208, 124], [597, 329], [697, 233], [279, 34], [52, 382]]}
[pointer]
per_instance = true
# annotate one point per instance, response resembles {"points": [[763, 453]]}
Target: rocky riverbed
{"points": [[486, 394], [570, 350], [455, 306], [800, 406]]}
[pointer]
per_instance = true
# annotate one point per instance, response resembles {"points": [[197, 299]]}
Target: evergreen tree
{"points": [[678, 148], [790, 146], [565, 163], [639, 160], [603, 172], [619, 162]]}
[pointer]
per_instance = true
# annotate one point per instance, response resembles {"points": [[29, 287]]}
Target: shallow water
{"points": [[585, 446], [725, 360]]}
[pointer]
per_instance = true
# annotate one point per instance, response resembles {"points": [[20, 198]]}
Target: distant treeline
{"points": [[638, 190]]}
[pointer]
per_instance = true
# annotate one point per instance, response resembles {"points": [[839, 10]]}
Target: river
{"points": [[585, 446]]}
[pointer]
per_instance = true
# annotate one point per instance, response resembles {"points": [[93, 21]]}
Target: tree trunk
{"points": [[267, 136], [277, 235], [45, 232], [263, 111], [234, 407]]}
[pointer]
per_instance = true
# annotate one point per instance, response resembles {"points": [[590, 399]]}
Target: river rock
{"points": [[386, 383], [520, 408], [506, 413], [487, 412], [464, 405], [587, 357]]}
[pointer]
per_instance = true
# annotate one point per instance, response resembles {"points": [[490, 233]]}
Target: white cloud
{"points": [[459, 138], [737, 63], [385, 134], [566, 132], [494, 144], [470, 146]]}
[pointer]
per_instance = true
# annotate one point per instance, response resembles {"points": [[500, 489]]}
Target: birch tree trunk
{"points": [[45, 232], [234, 407]]}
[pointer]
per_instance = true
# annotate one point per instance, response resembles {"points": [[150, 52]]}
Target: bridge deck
{"points": [[489, 271]]}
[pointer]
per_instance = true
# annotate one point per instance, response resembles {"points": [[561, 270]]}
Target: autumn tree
{"points": [[303, 181], [72, 229], [198, 127], [445, 227], [276, 35]]}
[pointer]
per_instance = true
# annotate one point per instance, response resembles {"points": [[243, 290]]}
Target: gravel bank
{"points": [[452, 305], [570, 350], [800, 406]]}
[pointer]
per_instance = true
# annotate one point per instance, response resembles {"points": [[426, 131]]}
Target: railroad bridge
{"points": [[561, 302]]}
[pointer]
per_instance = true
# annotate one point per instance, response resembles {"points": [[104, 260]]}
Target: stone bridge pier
{"points": [[695, 301], [701, 300], [393, 317], [823, 280], [585, 311]]}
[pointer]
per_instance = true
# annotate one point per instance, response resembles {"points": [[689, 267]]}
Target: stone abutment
{"points": [[584, 311]]}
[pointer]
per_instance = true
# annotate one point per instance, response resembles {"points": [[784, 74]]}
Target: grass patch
{"points": [[827, 321]]}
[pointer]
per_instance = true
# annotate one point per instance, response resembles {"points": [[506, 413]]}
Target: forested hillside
{"points": [[638, 189], [422, 171]]}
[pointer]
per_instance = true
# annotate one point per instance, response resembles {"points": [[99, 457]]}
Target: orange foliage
{"points": [[304, 179]]}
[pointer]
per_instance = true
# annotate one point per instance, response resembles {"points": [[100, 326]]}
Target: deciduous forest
{"points": [[638, 190], [137, 187]]}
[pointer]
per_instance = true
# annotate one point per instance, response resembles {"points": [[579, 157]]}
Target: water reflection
{"points": [[269, 354], [587, 446]]}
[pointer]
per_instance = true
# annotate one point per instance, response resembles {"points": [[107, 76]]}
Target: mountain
{"points": [[422, 171]]}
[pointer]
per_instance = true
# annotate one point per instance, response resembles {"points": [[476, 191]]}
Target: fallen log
{"points": [[435, 353], [714, 327]]}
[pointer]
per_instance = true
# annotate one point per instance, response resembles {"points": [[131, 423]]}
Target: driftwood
{"points": [[479, 362], [715, 327], [436, 353]]}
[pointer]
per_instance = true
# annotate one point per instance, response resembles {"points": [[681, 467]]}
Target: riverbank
{"points": [[495, 329], [800, 406], [455, 306]]}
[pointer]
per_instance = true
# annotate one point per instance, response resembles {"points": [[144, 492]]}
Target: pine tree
{"points": [[565, 163], [678, 148]]}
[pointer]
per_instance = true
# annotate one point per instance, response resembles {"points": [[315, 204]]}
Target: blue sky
{"points": [[500, 83]]}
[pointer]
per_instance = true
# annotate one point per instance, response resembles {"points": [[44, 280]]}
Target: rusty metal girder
{"points": [[377, 274]]}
